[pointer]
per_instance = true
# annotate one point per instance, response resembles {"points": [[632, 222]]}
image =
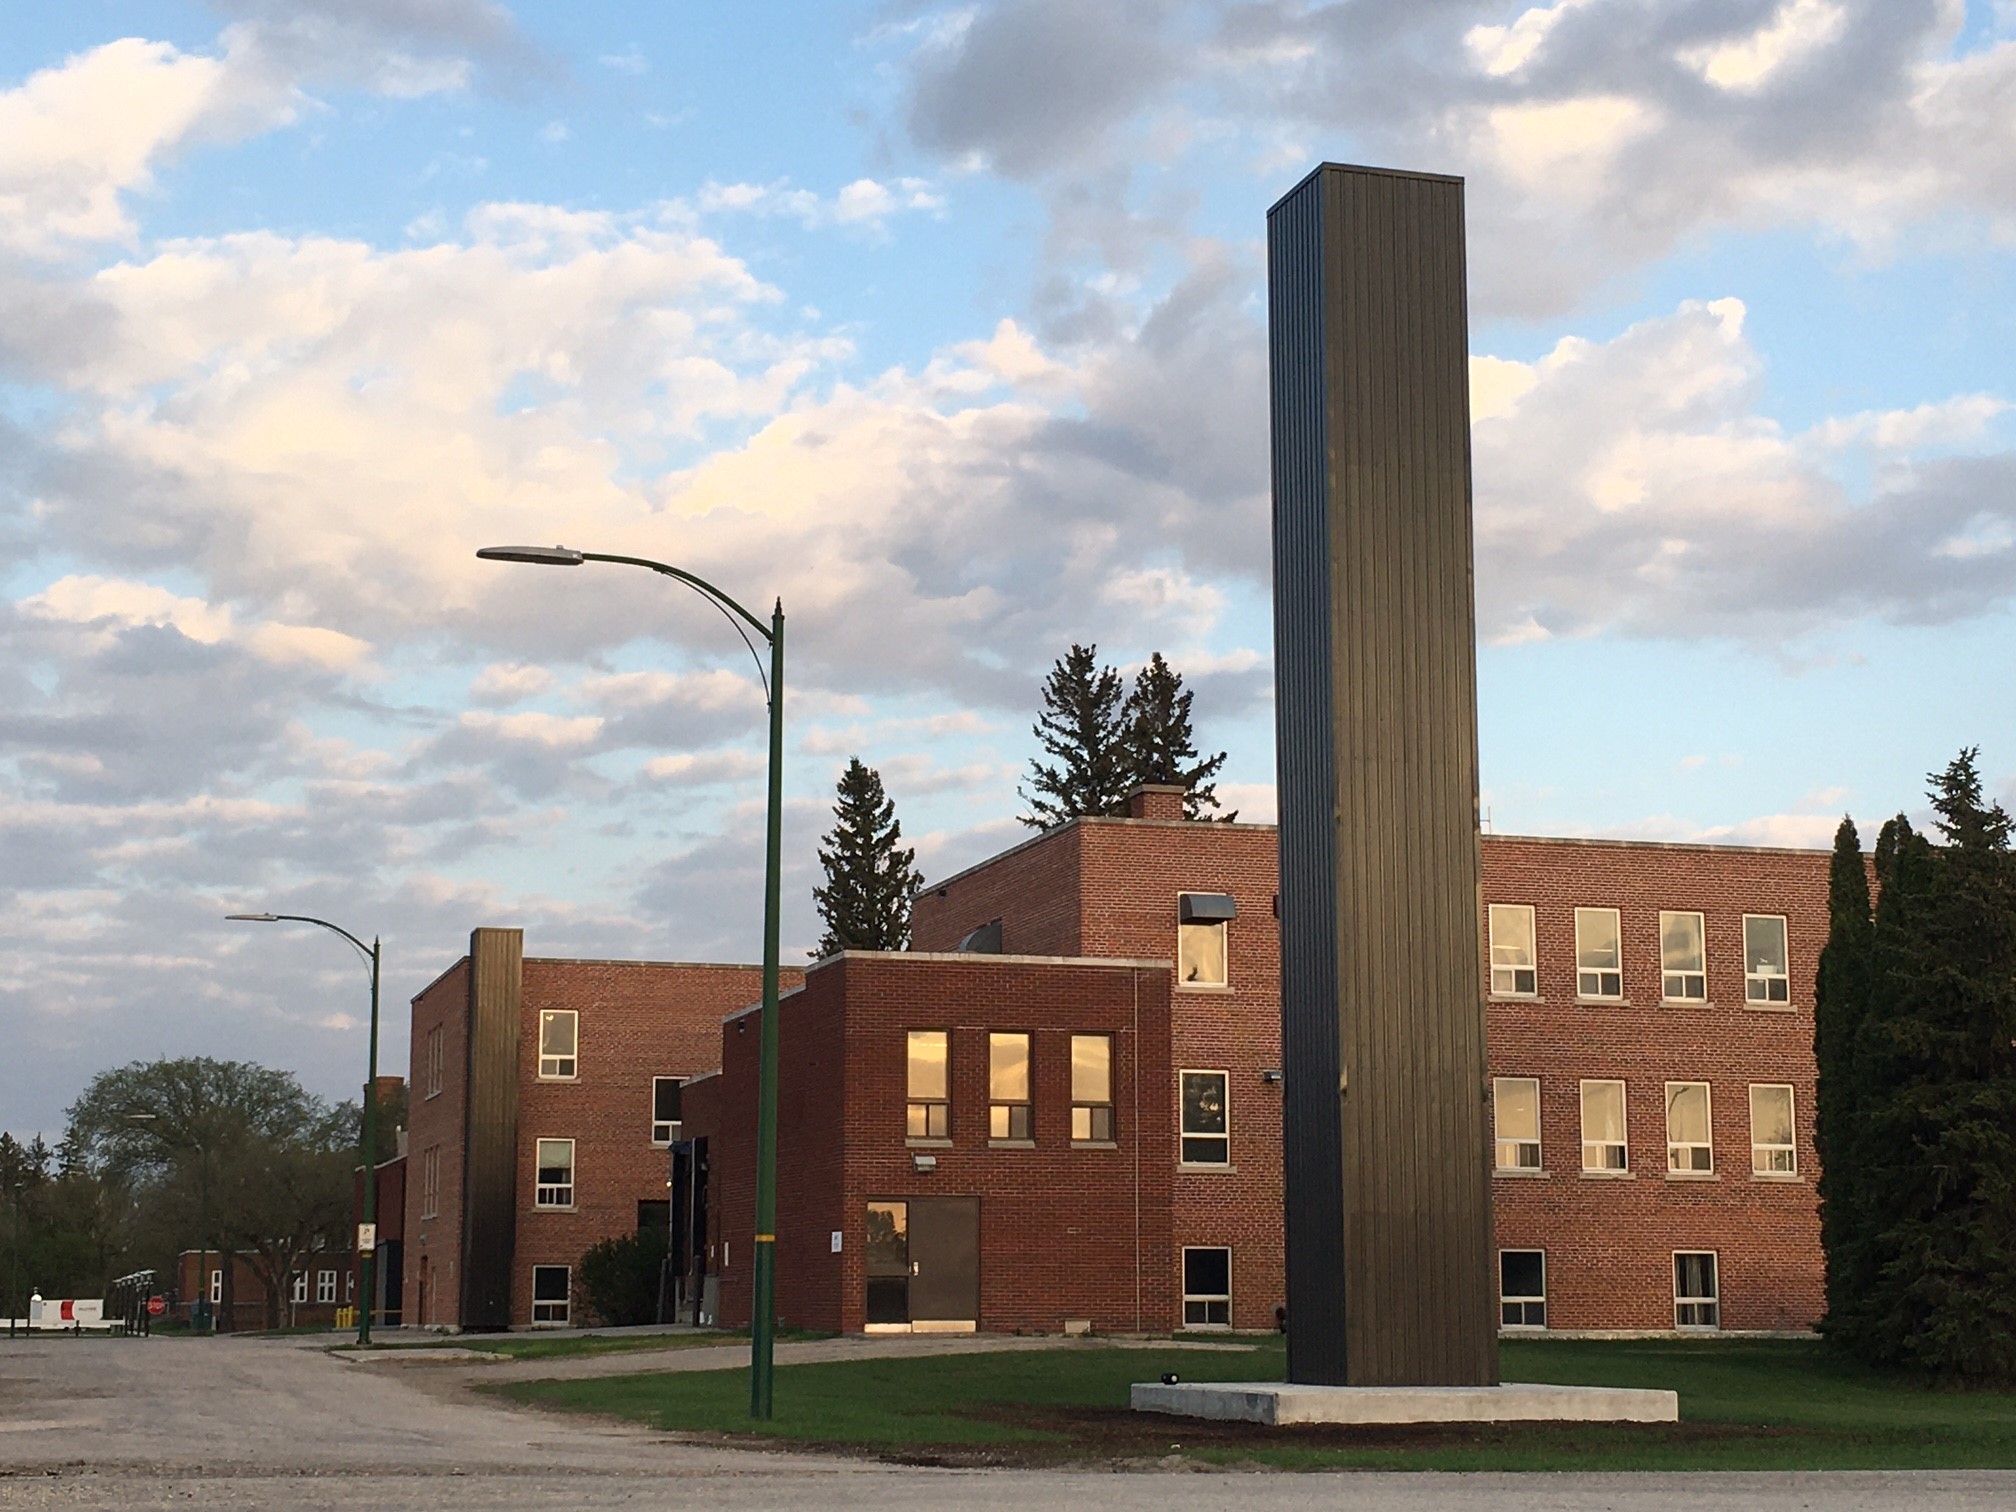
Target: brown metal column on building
{"points": [[1388, 1195], [490, 1196]]}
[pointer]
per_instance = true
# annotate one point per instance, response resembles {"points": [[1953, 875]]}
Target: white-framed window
{"points": [[1690, 1147], [665, 1106], [550, 1293], [1522, 1288], [559, 1044], [1207, 1129], [216, 1287], [349, 1286], [300, 1290], [1514, 972], [1092, 1088], [1683, 958], [1207, 1286], [1604, 1147], [1201, 959], [930, 1084], [437, 1059], [430, 1182], [325, 1286], [1599, 953], [1767, 974], [1774, 1150], [1697, 1302], [1515, 1114], [553, 1185], [1009, 1114]]}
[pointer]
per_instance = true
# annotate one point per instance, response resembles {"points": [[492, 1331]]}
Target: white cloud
{"points": [[865, 202], [113, 604], [1797, 28]]}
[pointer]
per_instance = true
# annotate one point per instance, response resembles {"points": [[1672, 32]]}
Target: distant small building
{"points": [[324, 1281]]}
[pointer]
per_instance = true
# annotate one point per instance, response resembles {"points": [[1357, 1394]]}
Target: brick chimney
{"points": [[1157, 800]]}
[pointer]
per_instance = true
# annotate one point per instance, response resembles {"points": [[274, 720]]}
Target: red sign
{"points": [[156, 1306]]}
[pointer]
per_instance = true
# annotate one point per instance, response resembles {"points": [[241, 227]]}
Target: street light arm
{"points": [[691, 580]]}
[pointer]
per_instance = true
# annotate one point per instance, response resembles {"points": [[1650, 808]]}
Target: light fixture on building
{"points": [[1271, 1076], [925, 1164]]}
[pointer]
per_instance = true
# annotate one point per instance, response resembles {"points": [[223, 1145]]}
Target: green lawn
{"points": [[539, 1347], [1745, 1405]]}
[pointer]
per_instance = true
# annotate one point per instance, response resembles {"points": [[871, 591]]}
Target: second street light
{"points": [[762, 1317], [367, 1230]]}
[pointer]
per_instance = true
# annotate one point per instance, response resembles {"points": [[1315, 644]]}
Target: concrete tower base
{"points": [[1279, 1402]]}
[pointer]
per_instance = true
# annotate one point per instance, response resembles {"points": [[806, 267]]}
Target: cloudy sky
{"points": [[943, 322]]}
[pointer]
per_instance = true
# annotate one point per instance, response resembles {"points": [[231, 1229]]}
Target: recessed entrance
{"points": [[923, 1265]]}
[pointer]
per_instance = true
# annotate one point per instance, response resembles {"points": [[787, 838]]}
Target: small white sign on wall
{"points": [[836, 1241]]}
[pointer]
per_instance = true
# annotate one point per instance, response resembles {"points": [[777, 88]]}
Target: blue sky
{"points": [[944, 323]]}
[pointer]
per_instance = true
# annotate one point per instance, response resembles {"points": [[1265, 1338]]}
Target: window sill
{"points": [[1772, 1007], [1011, 1144], [1522, 1173], [1205, 1328], [552, 1207], [1778, 1178], [1600, 1002], [1693, 1175], [1216, 1170], [1516, 997], [431, 1095], [556, 1081], [1685, 1003], [1095, 1144], [1206, 987], [1609, 1175], [917, 1143]]}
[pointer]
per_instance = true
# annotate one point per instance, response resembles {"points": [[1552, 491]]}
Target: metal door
{"points": [[945, 1260]]}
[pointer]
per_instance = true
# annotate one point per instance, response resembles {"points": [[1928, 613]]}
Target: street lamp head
{"points": [[253, 918], [539, 556]]}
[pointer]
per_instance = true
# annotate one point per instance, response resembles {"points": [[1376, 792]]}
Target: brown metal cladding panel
{"points": [[490, 1209], [1399, 836]]}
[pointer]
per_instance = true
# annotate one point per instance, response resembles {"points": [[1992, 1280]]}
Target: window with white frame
{"points": [[350, 1286], [930, 1111], [1513, 969], [1690, 1148], [1683, 958], [554, 1186], [300, 1291], [437, 1059], [1207, 1287], [430, 1182], [1009, 1115], [1092, 1088], [1773, 1151], [1603, 1143], [1696, 1300], [1207, 1135], [1599, 953], [325, 1286], [559, 1044], [1201, 919], [665, 1116], [216, 1287], [1522, 1288], [549, 1293], [1515, 1112], [1767, 976]]}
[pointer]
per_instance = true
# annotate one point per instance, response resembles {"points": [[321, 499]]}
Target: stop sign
{"points": [[156, 1306]]}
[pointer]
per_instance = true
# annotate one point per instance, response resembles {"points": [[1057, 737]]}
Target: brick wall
{"points": [[431, 1287], [1033, 889]]}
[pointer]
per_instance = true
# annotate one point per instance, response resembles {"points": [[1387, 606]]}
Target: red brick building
{"points": [[310, 1296], [544, 1097], [1063, 1105]]}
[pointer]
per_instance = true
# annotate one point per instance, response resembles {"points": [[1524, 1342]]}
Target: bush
{"points": [[619, 1277]]}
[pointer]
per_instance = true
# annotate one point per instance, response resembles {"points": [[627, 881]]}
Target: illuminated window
{"points": [[1008, 1110], [1683, 958], [1200, 938], [1603, 1142], [930, 1102], [1515, 1106], [1513, 971], [1689, 1146], [1092, 1087], [1772, 1150], [1599, 953], [559, 1036], [1766, 978], [555, 1184]]}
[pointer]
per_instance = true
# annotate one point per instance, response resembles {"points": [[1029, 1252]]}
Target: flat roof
{"points": [[970, 957]]}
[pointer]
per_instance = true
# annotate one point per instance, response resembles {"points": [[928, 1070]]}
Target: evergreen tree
{"points": [[1080, 726], [1935, 1185], [871, 880], [1841, 1000], [1161, 747]]}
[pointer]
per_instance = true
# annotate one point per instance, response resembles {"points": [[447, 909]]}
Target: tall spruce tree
{"points": [[1161, 746], [1080, 727], [1841, 1001], [871, 879], [1934, 1058]]}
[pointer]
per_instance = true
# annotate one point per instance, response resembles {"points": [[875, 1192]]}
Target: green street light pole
{"points": [[373, 958], [763, 1310]]}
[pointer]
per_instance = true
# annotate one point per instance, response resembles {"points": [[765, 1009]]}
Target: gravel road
{"points": [[271, 1423]]}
